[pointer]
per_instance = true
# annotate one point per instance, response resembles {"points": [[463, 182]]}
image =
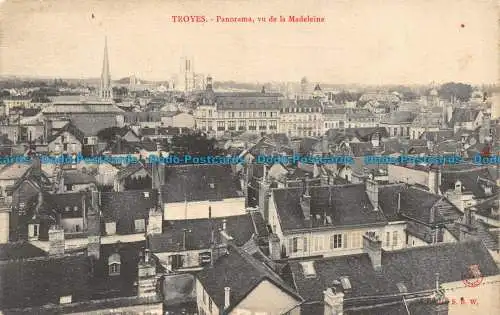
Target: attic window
{"points": [[211, 185], [346, 284], [65, 299], [66, 208], [308, 267], [114, 264], [401, 287], [146, 194], [75, 208], [329, 219]]}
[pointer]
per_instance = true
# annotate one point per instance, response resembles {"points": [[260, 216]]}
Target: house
{"points": [[186, 244], [466, 118], [423, 214], [177, 119], [239, 284], [429, 280], [75, 180], [132, 176], [325, 220], [190, 189], [127, 212], [106, 278], [69, 139]]}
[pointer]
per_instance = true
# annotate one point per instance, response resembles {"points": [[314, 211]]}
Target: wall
{"points": [[268, 298], [415, 242], [486, 295], [202, 300], [183, 120], [199, 209], [399, 228], [403, 174], [4, 226], [73, 144], [191, 257], [179, 287], [149, 309], [70, 224]]}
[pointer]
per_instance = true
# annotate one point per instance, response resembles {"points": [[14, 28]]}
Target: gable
{"points": [[67, 135], [131, 137], [266, 297]]}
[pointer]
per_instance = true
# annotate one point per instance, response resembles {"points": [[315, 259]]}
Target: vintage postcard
{"points": [[243, 157]]}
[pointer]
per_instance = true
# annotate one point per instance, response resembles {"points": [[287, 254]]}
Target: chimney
{"points": [[373, 247], [274, 247], [333, 302], [264, 193], [94, 233], [96, 199], [305, 203], [324, 144], [227, 297], [155, 221], [435, 180], [36, 166], [224, 224], [399, 203], [47, 130], [4, 222], [56, 241], [146, 284], [372, 192]]}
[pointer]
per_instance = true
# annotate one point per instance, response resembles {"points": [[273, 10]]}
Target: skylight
{"points": [[329, 219], [346, 284], [308, 267], [401, 287]]}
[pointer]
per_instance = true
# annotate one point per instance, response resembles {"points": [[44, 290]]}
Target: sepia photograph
{"points": [[278, 157]]}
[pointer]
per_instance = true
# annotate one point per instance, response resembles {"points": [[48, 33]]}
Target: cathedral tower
{"points": [[106, 90]]}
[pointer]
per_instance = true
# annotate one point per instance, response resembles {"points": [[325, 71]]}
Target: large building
{"points": [[253, 112]]}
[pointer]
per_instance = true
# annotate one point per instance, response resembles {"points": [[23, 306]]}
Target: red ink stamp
{"points": [[472, 277]]}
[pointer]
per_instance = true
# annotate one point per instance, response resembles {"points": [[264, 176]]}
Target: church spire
{"points": [[106, 91]]}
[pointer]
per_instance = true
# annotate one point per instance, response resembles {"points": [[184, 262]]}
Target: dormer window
{"points": [[33, 231], [308, 269], [211, 185], [114, 264], [139, 225]]}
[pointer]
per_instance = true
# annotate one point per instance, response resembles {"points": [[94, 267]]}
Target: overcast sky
{"points": [[362, 41]]}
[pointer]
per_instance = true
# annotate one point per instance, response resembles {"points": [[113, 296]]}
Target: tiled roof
{"points": [[416, 204], [127, 206], [246, 103], [399, 117], [19, 250], [242, 273], [415, 267], [130, 169], [75, 177], [239, 227], [72, 129], [363, 134], [471, 180], [347, 205], [461, 115], [308, 103], [81, 107], [36, 282], [200, 182]]}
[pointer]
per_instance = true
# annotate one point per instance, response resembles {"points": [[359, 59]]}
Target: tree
{"points": [[460, 91], [194, 144]]}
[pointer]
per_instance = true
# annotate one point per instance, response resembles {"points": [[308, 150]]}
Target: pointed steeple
{"points": [[106, 91]]}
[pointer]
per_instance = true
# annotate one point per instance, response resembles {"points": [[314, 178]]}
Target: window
{"points": [[232, 125], [114, 269], [33, 230], [294, 245], [252, 125], [210, 305], [388, 239], [242, 124], [273, 125], [139, 225], [395, 238], [114, 263], [336, 241], [305, 244], [221, 125], [318, 243], [262, 125]]}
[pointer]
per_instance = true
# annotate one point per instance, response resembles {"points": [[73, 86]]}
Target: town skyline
{"points": [[460, 48]]}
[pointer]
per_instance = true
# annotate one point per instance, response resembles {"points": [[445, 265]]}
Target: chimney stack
{"points": [[305, 203], [399, 202], [224, 224], [274, 247], [4, 222], [372, 192], [94, 233], [147, 276], [56, 241], [373, 247], [333, 302], [227, 297]]}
